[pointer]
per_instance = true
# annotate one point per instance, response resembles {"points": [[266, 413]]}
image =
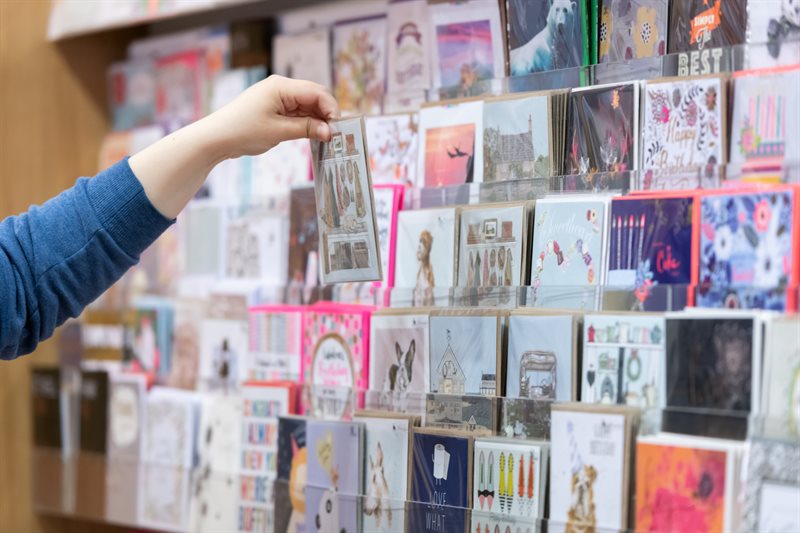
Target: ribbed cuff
{"points": [[123, 209]]}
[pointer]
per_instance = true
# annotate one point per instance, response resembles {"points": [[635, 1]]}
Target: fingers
{"points": [[305, 127], [301, 97]]}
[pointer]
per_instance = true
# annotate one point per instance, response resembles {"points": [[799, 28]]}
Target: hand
{"points": [[271, 111]]}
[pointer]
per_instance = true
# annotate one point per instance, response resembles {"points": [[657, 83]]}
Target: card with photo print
{"points": [[451, 144], [632, 29]]}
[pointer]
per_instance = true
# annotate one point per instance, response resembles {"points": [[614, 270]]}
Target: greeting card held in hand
{"points": [[348, 238]]}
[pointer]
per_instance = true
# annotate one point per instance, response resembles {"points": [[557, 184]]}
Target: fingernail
{"points": [[323, 132]]}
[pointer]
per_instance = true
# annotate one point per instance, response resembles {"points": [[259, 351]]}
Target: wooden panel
{"points": [[52, 119]]}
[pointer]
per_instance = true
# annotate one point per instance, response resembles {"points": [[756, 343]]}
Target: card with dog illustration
{"points": [[704, 24], [603, 129], [542, 356], [781, 390], [475, 414], [569, 249], [546, 36], [465, 352], [509, 477], [393, 147], [387, 445], [451, 144], [440, 481], [632, 29], [400, 361], [773, 486], [292, 474], [359, 65], [590, 465], [348, 237], [426, 254], [334, 476], [776, 23], [684, 125], [746, 242]]}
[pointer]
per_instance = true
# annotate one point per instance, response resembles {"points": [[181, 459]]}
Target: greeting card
{"points": [[179, 89], [426, 254], [394, 142], [304, 56], [517, 138], [547, 35], [590, 466], [275, 172], [475, 414], [526, 419], [451, 144], [700, 24], [408, 48], [465, 352], [223, 343], [275, 343], [94, 398], [773, 27], [359, 65], [569, 247], [773, 486], [440, 481], [132, 91], [781, 389], [400, 360], [388, 201], [685, 125], [602, 129], [624, 360], [334, 475], [257, 248], [746, 244], [303, 243], [292, 468], [348, 237], [632, 29]]}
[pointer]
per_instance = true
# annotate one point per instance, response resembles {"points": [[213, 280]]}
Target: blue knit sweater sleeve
{"points": [[60, 256]]}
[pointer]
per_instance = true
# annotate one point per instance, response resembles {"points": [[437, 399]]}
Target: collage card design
{"points": [[632, 29], [602, 129], [703, 24], [292, 469], [464, 353], [393, 148], [542, 353], [451, 144], [746, 249], [546, 35], [359, 65], [348, 239]]}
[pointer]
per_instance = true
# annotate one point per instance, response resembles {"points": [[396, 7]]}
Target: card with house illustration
{"points": [[590, 466], [685, 125], [334, 475], [713, 373], [275, 337], [426, 254], [765, 121], [408, 72], [569, 249], [440, 481], [386, 459], [509, 477], [335, 357], [624, 359], [359, 65], [465, 352], [492, 250], [524, 418], [399, 367], [545, 36], [773, 486], [393, 148], [451, 144], [704, 24], [517, 138], [603, 129], [773, 28], [475, 414], [632, 29], [348, 238], [746, 249], [686, 480], [542, 356], [292, 473], [304, 56], [781, 394]]}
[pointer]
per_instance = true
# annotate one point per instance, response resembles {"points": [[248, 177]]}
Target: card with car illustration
{"points": [[509, 477], [466, 352], [590, 465], [400, 359], [542, 356], [292, 473], [440, 481], [632, 29], [348, 238], [334, 476]]}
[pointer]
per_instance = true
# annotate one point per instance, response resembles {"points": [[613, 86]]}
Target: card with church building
{"points": [[466, 352]]}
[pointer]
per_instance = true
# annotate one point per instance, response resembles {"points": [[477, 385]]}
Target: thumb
{"points": [[305, 128]]}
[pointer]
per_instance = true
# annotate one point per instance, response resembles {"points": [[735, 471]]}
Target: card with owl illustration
{"points": [[590, 465], [292, 473], [685, 130], [400, 359], [569, 248], [348, 232], [781, 389], [603, 129], [334, 475]]}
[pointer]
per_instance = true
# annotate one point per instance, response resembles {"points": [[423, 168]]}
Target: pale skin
{"points": [[274, 110]]}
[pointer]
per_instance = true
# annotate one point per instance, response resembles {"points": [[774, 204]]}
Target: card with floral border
{"points": [[632, 29]]}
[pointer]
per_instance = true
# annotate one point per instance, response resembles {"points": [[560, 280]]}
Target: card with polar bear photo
{"points": [[773, 27], [399, 359], [547, 35]]}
